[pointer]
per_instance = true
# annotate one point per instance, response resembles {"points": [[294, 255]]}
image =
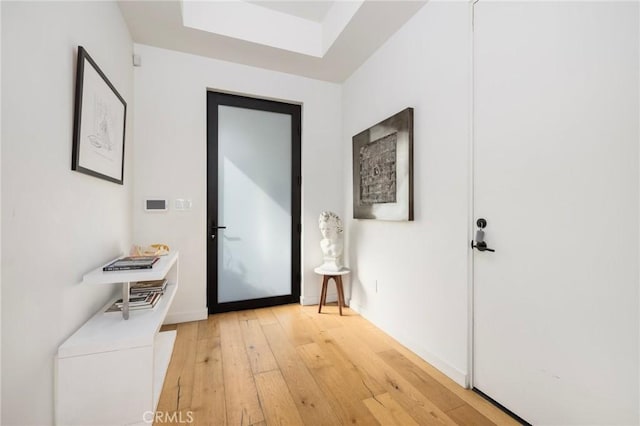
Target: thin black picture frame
{"points": [[100, 115]]}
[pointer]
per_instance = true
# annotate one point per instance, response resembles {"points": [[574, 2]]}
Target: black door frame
{"points": [[214, 99]]}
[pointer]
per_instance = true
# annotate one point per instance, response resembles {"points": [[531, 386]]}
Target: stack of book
{"points": [[131, 263], [142, 295]]}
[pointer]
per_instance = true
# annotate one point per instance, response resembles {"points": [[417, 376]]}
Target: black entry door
{"points": [[253, 202]]}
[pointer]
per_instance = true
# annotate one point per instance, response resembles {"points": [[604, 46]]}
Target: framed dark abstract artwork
{"points": [[99, 123], [383, 169]]}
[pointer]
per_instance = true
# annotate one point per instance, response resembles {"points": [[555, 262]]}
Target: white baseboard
{"points": [[178, 317], [314, 300], [355, 306], [458, 376], [455, 374]]}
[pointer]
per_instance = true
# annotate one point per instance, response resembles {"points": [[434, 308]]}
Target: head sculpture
{"points": [[331, 243], [330, 225]]}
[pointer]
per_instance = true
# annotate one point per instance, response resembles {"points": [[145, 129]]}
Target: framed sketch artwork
{"points": [[383, 169], [99, 123]]}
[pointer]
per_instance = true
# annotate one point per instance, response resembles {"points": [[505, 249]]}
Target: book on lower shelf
{"points": [[142, 295], [144, 286], [131, 263]]}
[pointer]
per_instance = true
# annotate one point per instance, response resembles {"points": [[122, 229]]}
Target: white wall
{"points": [[0, 209], [170, 158], [57, 224], [421, 266]]}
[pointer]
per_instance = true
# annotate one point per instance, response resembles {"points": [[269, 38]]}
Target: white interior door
{"points": [[556, 178]]}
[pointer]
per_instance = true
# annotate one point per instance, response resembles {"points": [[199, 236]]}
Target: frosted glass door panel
{"points": [[254, 203]]}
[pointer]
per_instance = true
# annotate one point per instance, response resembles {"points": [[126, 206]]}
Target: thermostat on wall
{"points": [[156, 205]]}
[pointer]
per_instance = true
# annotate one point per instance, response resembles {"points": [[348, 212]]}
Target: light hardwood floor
{"points": [[289, 365]]}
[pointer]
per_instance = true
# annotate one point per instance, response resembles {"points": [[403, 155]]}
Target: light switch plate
{"points": [[182, 204]]}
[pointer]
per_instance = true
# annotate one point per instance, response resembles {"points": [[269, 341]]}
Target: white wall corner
{"points": [[357, 307], [315, 299], [337, 19]]}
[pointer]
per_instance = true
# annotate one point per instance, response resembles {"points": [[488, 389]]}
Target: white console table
{"points": [[111, 371]]}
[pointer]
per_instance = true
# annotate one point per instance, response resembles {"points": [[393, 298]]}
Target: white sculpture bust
{"points": [[331, 243]]}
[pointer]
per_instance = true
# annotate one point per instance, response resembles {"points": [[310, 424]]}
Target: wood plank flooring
{"points": [[289, 365]]}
